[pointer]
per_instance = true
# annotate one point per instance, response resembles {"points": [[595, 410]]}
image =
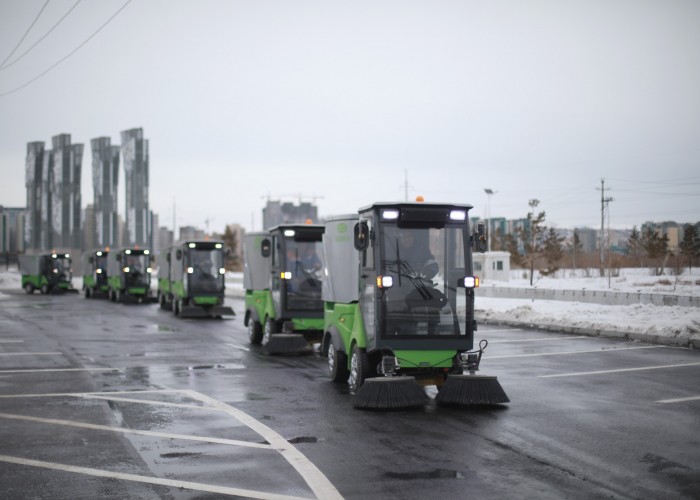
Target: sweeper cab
{"points": [[129, 274], [94, 264], [399, 305], [48, 273], [282, 278], [191, 280]]}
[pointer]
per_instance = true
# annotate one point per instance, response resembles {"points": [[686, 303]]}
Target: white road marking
{"points": [[537, 340], [11, 341], [232, 442], [619, 370], [40, 370], [318, 482], [679, 400], [502, 330], [562, 353], [314, 478], [209, 488], [30, 353], [236, 346], [81, 394]]}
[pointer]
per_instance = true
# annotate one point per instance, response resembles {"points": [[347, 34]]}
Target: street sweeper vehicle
{"points": [[192, 281], [48, 273], [399, 306], [129, 274], [94, 263], [282, 278]]}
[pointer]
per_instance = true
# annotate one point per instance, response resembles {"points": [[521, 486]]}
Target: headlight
{"points": [[190, 270], [126, 269], [458, 215], [222, 270], [385, 281], [471, 282], [289, 233], [192, 245], [390, 214], [149, 270], [98, 271], [286, 275]]}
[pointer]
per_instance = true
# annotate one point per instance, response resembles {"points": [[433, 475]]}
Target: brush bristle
{"points": [[471, 390], [287, 343], [384, 393]]}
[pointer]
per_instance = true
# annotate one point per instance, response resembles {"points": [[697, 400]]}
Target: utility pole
{"points": [[603, 205], [405, 185], [533, 204], [174, 220]]}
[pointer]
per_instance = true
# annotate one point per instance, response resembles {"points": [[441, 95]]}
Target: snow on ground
{"points": [[663, 324], [670, 325]]}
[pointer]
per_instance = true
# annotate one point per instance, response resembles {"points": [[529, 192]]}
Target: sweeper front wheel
{"points": [[255, 333], [359, 369], [337, 364]]}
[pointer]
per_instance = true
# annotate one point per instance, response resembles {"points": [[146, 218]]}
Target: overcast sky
{"points": [[342, 101]]}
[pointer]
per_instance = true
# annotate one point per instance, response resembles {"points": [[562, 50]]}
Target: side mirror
{"points": [[479, 237], [91, 259], [178, 255], [265, 247], [361, 236], [167, 258]]}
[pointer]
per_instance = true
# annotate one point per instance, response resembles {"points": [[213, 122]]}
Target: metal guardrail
{"points": [[590, 296]]}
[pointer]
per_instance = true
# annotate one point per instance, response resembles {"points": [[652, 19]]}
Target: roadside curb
{"points": [[685, 339]]}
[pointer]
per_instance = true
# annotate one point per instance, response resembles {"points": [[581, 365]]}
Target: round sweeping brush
{"points": [[384, 393], [471, 390]]}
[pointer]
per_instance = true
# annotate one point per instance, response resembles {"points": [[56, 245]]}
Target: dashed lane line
{"points": [[209, 488], [30, 353], [41, 370], [11, 341], [149, 402], [236, 346], [537, 340], [679, 400], [185, 437], [562, 353], [619, 370]]}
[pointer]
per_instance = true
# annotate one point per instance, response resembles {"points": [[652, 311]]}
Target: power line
{"points": [[69, 54], [3, 66], [25, 33]]}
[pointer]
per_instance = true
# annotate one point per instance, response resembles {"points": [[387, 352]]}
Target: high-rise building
{"points": [[135, 156], [89, 232], [33, 183], [64, 185], [105, 180]]}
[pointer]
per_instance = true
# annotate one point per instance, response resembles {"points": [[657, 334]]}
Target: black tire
{"points": [[88, 292], [29, 288], [359, 369], [255, 331], [337, 364], [45, 289], [270, 329], [176, 307]]}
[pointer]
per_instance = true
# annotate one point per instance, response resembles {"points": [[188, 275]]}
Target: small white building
{"points": [[492, 266]]}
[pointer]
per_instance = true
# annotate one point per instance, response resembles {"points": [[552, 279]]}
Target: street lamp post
{"points": [[488, 192]]}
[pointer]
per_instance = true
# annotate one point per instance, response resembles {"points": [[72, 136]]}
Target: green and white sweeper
{"points": [[399, 305], [94, 263], [282, 277], [48, 273], [191, 280], [129, 274]]}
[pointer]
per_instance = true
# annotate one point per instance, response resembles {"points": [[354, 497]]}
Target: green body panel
{"points": [[261, 302], [207, 300], [301, 324], [103, 288], [65, 285], [347, 319], [89, 280], [178, 290], [36, 280], [114, 283], [164, 285], [426, 359], [137, 290]]}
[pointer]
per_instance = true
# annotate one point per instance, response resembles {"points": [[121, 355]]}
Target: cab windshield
{"points": [[61, 266], [136, 268], [304, 264], [205, 265], [421, 267]]}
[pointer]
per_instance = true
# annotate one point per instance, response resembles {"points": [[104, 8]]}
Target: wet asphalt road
{"points": [[102, 400]]}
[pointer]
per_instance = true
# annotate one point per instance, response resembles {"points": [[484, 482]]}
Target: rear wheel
{"points": [[177, 307], [88, 292], [359, 369], [337, 364], [29, 288], [45, 289], [255, 333]]}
